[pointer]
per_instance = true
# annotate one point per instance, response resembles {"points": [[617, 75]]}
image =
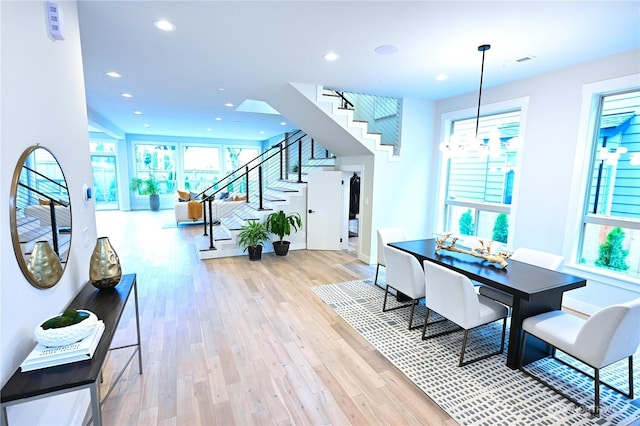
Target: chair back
{"points": [[538, 258], [404, 272], [451, 294], [388, 235], [609, 335]]}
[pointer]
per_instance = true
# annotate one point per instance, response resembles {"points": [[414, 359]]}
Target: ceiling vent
{"points": [[525, 58]]}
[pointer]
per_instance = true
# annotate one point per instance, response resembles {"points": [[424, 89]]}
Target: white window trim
{"points": [[486, 109], [591, 92]]}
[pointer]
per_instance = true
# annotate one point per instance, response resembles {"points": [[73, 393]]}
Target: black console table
{"points": [[108, 306]]}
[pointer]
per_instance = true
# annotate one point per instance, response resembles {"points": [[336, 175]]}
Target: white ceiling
{"points": [[253, 49]]}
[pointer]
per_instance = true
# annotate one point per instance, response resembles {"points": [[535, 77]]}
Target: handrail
{"points": [[345, 102], [202, 193], [207, 199], [53, 200]]}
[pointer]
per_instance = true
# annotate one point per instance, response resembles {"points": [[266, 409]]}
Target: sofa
{"points": [[221, 208]]}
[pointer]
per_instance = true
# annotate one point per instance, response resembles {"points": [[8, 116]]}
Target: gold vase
{"points": [[104, 268], [44, 265]]}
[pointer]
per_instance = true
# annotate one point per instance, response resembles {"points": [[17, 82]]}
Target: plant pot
{"points": [[281, 248], [154, 202], [255, 252]]}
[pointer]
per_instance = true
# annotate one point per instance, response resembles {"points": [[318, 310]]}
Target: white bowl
{"points": [[66, 335]]}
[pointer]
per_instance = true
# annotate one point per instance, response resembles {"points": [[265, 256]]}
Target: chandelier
{"points": [[463, 144]]}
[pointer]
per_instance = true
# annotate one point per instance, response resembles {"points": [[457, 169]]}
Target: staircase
{"points": [[318, 111]]}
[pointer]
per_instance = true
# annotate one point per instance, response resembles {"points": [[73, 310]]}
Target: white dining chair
{"points": [[405, 275], [385, 236], [610, 335], [533, 257], [452, 295]]}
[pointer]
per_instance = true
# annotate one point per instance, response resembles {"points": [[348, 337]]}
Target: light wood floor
{"points": [[233, 342]]}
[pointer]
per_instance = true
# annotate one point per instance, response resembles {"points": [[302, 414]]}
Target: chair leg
{"points": [[631, 377], [375, 282], [464, 346], [462, 363], [504, 330], [426, 320], [413, 307], [386, 293], [596, 383]]}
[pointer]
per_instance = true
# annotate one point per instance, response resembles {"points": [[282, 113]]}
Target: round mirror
{"points": [[40, 215]]}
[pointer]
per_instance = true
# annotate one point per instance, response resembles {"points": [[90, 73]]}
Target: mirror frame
{"points": [[13, 219]]}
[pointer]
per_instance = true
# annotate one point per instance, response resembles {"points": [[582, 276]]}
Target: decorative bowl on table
{"points": [[52, 332]]}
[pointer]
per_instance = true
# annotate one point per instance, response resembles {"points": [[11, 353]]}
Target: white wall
{"points": [[393, 192], [43, 101], [550, 146]]}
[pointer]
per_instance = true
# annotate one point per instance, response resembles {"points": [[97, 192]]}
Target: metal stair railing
{"points": [[273, 165], [382, 114], [28, 195]]}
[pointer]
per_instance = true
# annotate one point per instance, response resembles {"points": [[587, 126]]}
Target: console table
{"points": [[108, 306]]}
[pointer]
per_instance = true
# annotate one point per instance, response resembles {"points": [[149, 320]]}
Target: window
{"points": [[105, 183], [156, 161], [479, 175], [610, 237], [201, 167], [236, 157]]}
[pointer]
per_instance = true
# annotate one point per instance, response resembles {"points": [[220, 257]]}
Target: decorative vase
{"points": [[66, 335], [154, 202], [104, 267], [44, 264]]}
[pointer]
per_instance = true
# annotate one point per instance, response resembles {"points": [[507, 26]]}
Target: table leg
{"points": [[135, 293], [96, 412], [536, 349]]}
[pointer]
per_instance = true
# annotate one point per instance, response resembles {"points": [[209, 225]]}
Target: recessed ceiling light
{"points": [[127, 95], [137, 112], [208, 129], [218, 119], [441, 77], [283, 123], [114, 74], [386, 49], [228, 104], [220, 89], [164, 25], [331, 56], [146, 125], [262, 132]]}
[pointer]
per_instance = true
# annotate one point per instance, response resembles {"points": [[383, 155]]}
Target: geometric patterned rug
{"points": [[486, 392]]}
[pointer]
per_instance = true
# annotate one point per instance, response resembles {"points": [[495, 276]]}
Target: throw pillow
{"points": [[184, 195]]}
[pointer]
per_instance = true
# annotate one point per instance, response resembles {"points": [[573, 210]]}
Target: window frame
{"points": [[579, 217], [446, 126]]}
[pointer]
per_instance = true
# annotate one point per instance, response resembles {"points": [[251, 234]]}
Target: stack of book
{"points": [[47, 356]]}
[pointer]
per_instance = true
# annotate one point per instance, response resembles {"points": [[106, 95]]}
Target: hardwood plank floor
{"points": [[233, 342]]}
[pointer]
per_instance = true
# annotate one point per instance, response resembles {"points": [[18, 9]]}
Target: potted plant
{"points": [[148, 186], [280, 224], [251, 236]]}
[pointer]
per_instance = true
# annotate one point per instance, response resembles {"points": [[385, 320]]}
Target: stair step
{"points": [[232, 223], [246, 213]]}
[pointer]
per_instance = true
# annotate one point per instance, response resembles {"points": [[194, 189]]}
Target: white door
{"points": [[325, 210]]}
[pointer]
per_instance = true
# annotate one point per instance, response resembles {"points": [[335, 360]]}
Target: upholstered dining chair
{"points": [[610, 335], [533, 257], [405, 275], [385, 236], [453, 296]]}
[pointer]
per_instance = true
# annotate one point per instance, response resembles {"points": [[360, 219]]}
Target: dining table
{"points": [[534, 290]]}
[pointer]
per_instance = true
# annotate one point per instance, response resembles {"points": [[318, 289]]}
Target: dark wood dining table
{"points": [[535, 290]]}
